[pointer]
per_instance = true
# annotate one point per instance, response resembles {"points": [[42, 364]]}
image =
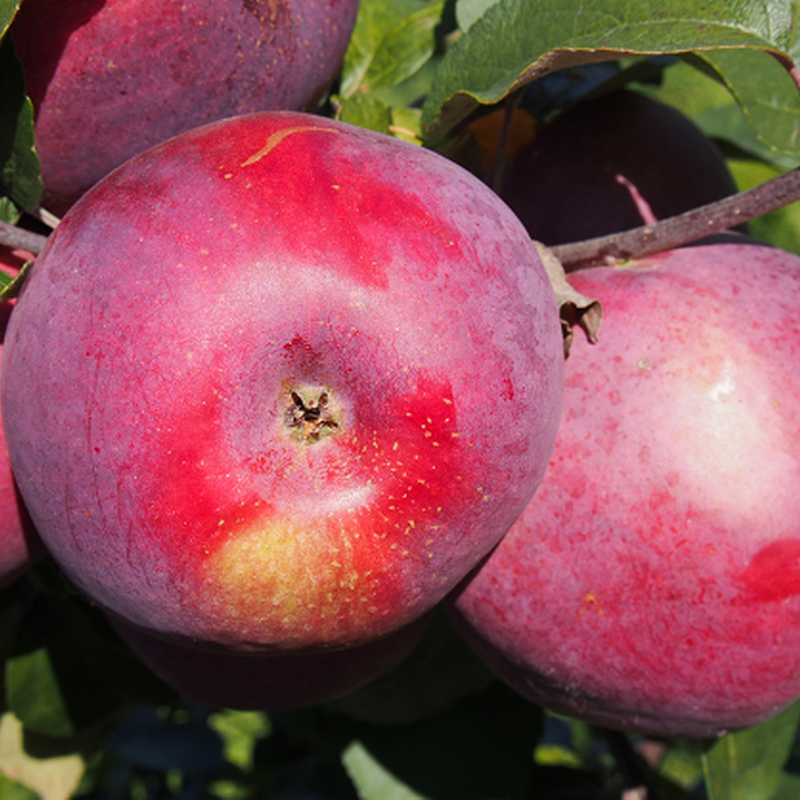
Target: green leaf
{"points": [[11, 285], [19, 163], [8, 8], [239, 730], [788, 788], [749, 764], [518, 41], [407, 124], [392, 39], [365, 111], [33, 687], [767, 94], [11, 790], [781, 227], [8, 210], [468, 12], [373, 781]]}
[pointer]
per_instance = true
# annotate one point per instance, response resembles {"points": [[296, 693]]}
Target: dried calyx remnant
{"points": [[310, 413]]}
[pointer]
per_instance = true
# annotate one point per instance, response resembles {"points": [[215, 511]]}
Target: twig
{"points": [[684, 228], [12, 236]]}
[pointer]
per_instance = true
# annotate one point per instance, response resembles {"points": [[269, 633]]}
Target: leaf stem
{"points": [[684, 228]]}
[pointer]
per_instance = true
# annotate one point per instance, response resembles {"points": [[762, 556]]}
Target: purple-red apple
{"points": [[270, 682], [281, 382], [653, 583], [110, 78], [609, 164], [19, 543]]}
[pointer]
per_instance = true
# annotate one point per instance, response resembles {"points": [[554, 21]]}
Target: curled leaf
{"points": [[574, 308]]}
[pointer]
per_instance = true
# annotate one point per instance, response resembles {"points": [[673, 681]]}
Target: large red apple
{"points": [[653, 583], [281, 382], [612, 163], [110, 78], [19, 543]]}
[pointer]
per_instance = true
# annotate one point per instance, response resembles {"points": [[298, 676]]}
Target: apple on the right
{"points": [[653, 582]]}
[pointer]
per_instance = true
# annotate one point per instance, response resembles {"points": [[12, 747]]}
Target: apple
{"points": [[110, 78], [609, 164], [270, 682], [20, 545], [280, 382], [653, 584]]}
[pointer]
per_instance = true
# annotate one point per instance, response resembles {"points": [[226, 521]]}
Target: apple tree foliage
{"points": [[82, 717]]}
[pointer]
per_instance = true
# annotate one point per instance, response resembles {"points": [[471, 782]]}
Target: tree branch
{"points": [[683, 229], [12, 236]]}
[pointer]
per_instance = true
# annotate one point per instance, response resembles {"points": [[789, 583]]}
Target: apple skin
{"points": [[110, 78], [652, 584], [564, 187], [191, 303], [20, 545], [270, 682]]}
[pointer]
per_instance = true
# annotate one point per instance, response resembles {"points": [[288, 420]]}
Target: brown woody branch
{"points": [[12, 236], [684, 228]]}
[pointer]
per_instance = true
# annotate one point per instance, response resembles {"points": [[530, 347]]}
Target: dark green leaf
{"points": [[480, 747], [69, 671], [749, 764], [439, 672], [33, 692], [19, 163], [518, 41]]}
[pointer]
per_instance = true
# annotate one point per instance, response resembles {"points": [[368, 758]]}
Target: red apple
{"points": [[609, 164], [270, 682], [110, 78], [19, 542], [653, 583], [280, 383]]}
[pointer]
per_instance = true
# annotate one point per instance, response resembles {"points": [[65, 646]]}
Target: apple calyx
{"points": [[311, 413]]}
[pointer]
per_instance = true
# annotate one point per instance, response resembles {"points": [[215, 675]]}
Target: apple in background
{"points": [[653, 583], [19, 543], [110, 78], [610, 164], [261, 682], [280, 383]]}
